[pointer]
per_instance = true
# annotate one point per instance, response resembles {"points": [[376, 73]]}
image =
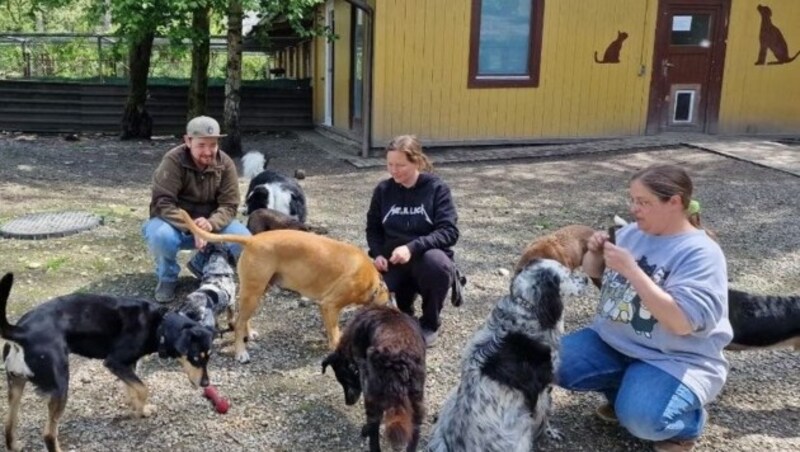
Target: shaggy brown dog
{"points": [[566, 246], [335, 274], [382, 353], [261, 220]]}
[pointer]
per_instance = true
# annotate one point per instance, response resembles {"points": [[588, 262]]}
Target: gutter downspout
{"points": [[366, 140]]}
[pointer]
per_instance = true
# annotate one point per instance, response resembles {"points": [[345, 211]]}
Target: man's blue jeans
{"points": [[650, 403], [164, 241]]}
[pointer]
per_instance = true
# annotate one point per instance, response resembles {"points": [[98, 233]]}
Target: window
{"points": [[505, 43]]}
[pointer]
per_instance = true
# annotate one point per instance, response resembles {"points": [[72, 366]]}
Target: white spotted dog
{"points": [[217, 290], [270, 189], [503, 400]]}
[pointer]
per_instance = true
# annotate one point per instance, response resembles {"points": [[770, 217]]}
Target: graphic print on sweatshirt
{"points": [[620, 302], [407, 211]]}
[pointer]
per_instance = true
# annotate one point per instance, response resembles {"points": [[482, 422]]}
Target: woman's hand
{"points": [[618, 259], [381, 263], [596, 241], [400, 255]]}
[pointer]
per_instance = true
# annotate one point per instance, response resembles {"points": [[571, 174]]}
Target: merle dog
{"points": [[217, 291], [503, 400]]}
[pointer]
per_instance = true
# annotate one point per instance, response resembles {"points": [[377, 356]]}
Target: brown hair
{"points": [[412, 148], [666, 181]]}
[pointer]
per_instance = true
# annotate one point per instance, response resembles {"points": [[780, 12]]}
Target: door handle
{"points": [[665, 65]]}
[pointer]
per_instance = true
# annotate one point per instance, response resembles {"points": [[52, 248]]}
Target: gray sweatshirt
{"points": [[691, 268]]}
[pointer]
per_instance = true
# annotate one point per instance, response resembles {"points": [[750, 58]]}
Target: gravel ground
{"points": [[281, 401]]}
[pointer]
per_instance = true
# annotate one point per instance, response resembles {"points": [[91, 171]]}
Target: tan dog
{"points": [[335, 274], [566, 246]]}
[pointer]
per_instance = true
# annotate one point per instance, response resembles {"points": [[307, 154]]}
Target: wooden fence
{"points": [[35, 106]]}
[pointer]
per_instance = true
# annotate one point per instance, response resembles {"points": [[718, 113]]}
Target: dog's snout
{"points": [[204, 380]]}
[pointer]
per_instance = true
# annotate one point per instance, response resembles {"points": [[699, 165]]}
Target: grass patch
{"points": [[55, 263]]}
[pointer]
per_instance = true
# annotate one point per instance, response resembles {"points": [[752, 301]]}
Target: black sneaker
{"points": [[165, 291], [195, 265]]}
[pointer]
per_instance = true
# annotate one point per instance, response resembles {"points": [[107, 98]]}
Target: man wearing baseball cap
{"points": [[200, 179]]}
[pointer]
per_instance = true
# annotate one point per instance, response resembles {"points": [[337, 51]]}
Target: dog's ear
{"points": [[174, 336], [331, 360]]}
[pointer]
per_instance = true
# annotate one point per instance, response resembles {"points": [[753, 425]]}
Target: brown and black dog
{"points": [[382, 354], [565, 246], [335, 274]]}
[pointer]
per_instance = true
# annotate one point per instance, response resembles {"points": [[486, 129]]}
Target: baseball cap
{"points": [[203, 127]]}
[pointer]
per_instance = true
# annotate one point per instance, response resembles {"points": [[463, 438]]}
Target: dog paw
{"points": [[243, 357], [252, 335], [553, 433], [147, 410]]}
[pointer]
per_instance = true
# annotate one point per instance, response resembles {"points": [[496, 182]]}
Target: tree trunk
{"points": [[136, 121], [232, 144], [198, 86]]}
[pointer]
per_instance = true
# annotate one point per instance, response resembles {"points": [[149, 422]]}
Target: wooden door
{"points": [[687, 65]]}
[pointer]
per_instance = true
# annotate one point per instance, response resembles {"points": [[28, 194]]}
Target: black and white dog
{"points": [[217, 291], [117, 330], [270, 189], [763, 321], [503, 400]]}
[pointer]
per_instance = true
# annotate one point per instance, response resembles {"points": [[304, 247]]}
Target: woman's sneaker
{"points": [[430, 338], [606, 413], [671, 445]]}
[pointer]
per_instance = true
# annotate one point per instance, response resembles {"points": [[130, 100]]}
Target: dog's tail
{"points": [[210, 236], [253, 163], [6, 329], [398, 423]]}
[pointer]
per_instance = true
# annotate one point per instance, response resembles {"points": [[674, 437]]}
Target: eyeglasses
{"points": [[640, 203]]}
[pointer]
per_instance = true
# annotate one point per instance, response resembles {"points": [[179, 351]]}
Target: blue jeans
{"points": [[164, 242], [650, 403]]}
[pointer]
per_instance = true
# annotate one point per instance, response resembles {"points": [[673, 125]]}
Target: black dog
{"points": [[383, 353], [761, 321], [271, 189], [119, 331]]}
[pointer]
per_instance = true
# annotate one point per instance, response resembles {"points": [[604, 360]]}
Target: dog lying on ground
{"points": [[566, 245], [382, 353], [763, 321], [271, 189], [117, 330], [217, 290], [335, 274], [503, 400], [261, 220]]}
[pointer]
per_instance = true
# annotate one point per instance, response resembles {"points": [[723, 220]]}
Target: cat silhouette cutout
{"points": [[611, 55], [771, 38]]}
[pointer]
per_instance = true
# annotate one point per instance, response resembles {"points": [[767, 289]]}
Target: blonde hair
{"points": [[666, 181], [412, 148]]}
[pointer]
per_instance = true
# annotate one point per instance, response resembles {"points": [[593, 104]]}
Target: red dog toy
{"points": [[220, 403]]}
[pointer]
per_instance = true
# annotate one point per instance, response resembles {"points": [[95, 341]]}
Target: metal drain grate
{"points": [[38, 226]]}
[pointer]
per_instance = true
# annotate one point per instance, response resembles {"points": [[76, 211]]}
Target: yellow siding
{"points": [[421, 70], [760, 99], [341, 67], [318, 70]]}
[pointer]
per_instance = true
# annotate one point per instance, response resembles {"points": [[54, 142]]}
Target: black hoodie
{"points": [[422, 217]]}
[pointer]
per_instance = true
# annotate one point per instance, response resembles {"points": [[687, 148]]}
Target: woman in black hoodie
{"points": [[411, 228]]}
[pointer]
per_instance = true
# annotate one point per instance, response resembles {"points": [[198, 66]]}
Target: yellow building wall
{"points": [[760, 99], [318, 69], [341, 66], [421, 71]]}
